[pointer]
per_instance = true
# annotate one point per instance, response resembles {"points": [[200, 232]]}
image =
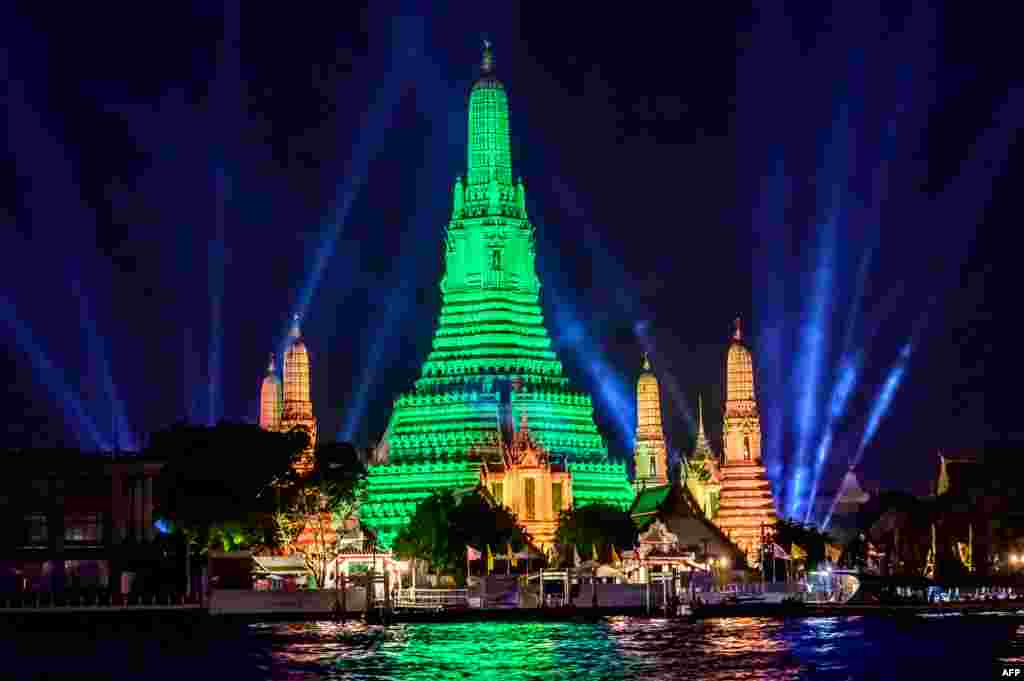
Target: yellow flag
{"points": [[490, 559], [615, 557], [594, 552], [798, 553], [511, 556]]}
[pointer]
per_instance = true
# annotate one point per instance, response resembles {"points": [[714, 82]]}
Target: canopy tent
{"points": [[280, 566]]}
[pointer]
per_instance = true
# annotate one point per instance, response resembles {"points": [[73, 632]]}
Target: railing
{"points": [[432, 598], [92, 600], [355, 546]]}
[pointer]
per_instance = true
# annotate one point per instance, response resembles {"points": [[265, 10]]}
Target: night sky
{"points": [[179, 181]]}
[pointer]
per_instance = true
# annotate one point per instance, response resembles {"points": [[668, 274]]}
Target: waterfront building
{"points": [[675, 533], [650, 455], [701, 472], [79, 521], [746, 504], [287, 405], [491, 360]]}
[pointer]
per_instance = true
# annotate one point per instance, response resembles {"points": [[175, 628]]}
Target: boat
{"points": [[748, 605]]}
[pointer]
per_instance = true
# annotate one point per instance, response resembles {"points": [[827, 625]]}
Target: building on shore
{"points": [[746, 504], [675, 533], [650, 454], [77, 521], [491, 361], [286, 405]]}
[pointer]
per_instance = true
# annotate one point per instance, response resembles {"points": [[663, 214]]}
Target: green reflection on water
{"points": [[490, 650]]}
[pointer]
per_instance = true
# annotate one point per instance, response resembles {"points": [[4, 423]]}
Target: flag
{"points": [[615, 557], [490, 559], [593, 552], [575, 557], [798, 553], [779, 553], [511, 556], [472, 554]]}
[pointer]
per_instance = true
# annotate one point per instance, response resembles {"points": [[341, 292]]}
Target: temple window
{"points": [[746, 448], [495, 260], [654, 466], [529, 493], [556, 498]]}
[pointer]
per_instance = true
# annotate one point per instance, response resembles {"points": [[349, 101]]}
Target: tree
{"points": [[313, 507], [217, 485], [595, 525], [216, 488], [444, 524]]}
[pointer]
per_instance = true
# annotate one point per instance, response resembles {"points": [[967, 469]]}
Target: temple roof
{"points": [[674, 505], [649, 499]]}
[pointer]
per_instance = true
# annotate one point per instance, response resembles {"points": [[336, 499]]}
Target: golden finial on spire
{"points": [[270, 367], [647, 363], [487, 63], [738, 333], [295, 332], [700, 413]]}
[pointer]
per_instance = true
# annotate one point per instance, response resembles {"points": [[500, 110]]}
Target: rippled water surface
{"points": [[615, 648]]}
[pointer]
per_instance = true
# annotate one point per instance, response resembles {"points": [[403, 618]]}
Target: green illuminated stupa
{"points": [[491, 362]]}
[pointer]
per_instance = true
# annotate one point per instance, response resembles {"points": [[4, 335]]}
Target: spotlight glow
{"points": [[215, 266], [837, 406], [814, 348], [376, 122], [78, 420], [892, 383], [609, 386], [122, 436]]}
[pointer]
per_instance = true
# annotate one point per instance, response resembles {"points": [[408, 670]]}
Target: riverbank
{"points": [[83, 617]]}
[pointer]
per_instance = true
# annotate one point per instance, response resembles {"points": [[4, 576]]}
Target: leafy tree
{"points": [[445, 524], [313, 507], [216, 488], [595, 525]]}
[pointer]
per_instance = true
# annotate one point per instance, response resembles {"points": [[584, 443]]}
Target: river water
{"points": [[614, 648]]}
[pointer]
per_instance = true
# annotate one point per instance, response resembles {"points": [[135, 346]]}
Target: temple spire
{"points": [[270, 366], [738, 333], [487, 62], [647, 363], [295, 331], [489, 153]]}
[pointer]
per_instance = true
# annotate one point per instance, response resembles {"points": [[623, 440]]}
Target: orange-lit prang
{"points": [[746, 502], [650, 454], [270, 399], [291, 407]]}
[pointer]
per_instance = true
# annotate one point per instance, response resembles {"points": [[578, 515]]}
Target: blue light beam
{"points": [[52, 378]]}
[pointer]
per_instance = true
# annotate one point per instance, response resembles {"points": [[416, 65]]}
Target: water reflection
{"points": [[614, 648]]}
